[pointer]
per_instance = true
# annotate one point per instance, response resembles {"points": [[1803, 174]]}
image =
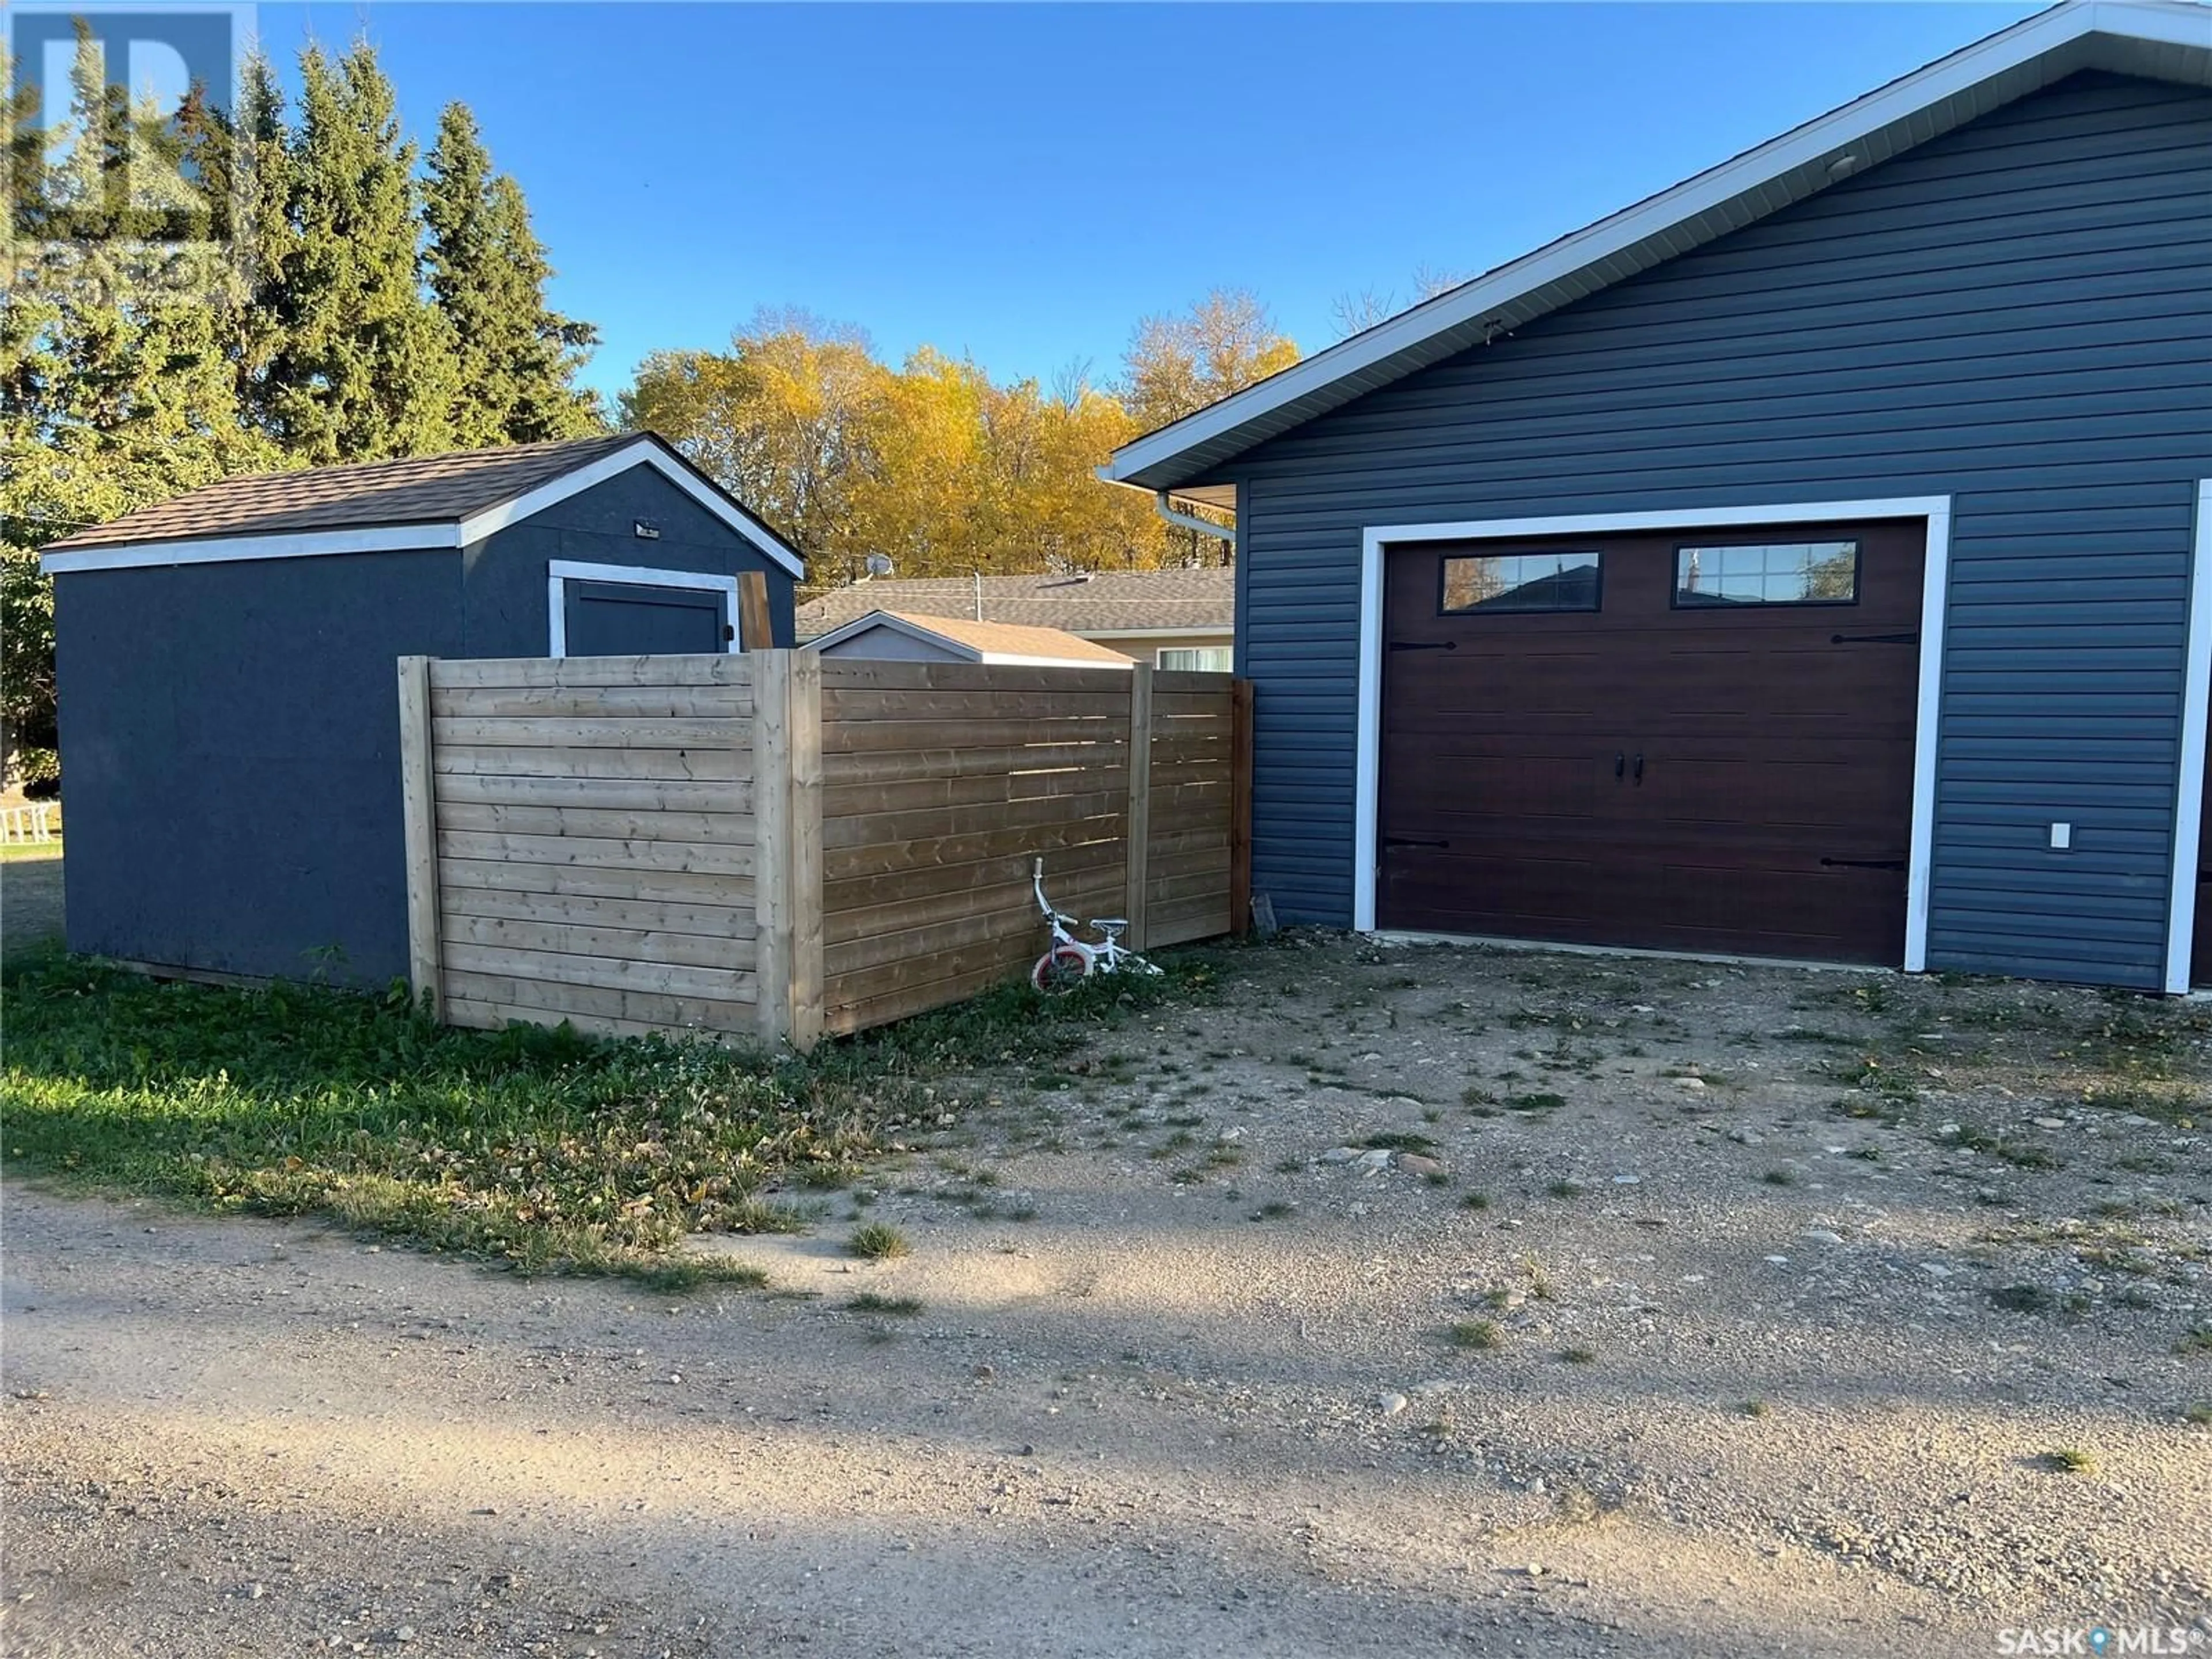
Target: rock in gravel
{"points": [[1377, 1159], [2050, 1124], [1416, 1163], [1746, 1137], [1694, 1085], [1627, 1180], [1822, 1236], [1339, 1155], [1391, 1404]]}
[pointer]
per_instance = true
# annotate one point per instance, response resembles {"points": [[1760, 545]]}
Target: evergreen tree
{"points": [[517, 358], [363, 368]]}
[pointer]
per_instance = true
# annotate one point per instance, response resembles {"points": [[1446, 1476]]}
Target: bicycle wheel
{"points": [[1059, 968]]}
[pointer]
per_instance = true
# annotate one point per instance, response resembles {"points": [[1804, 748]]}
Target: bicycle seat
{"points": [[1114, 922]]}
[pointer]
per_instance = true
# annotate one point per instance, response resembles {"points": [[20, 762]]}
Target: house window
{"points": [[1521, 581], [1200, 659], [1771, 573]]}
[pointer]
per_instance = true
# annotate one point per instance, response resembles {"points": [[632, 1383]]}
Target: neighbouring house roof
{"points": [[983, 642], [2161, 40], [1102, 604], [422, 501]]}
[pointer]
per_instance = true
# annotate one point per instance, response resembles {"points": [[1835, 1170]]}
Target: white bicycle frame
{"points": [[1107, 956]]}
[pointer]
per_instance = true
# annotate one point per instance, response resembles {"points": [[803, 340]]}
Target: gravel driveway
{"points": [[1404, 1301]]}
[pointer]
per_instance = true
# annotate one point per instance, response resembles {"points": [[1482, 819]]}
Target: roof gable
{"points": [[982, 641], [2161, 39], [418, 503]]}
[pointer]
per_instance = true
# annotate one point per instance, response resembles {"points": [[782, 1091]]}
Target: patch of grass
{"points": [[873, 1302], [1540, 1100], [2195, 1341], [1474, 1202], [1754, 1407], [1474, 1335], [1400, 1141], [1579, 1356], [1780, 1176], [2022, 1299], [1566, 1189], [544, 1151], [2198, 1412], [1290, 1166], [2069, 1460], [877, 1240], [1273, 1210]]}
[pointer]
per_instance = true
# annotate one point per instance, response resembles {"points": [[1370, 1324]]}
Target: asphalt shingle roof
{"points": [[1014, 639], [1106, 601], [421, 490]]}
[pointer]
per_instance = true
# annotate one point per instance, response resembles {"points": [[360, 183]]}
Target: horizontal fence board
{"points": [[721, 921], [667, 886], [593, 703], [884, 857], [845, 800], [627, 731], [643, 1007], [901, 914], [610, 973], [845, 1016], [849, 707], [1188, 681], [928, 823], [476, 1016], [1169, 705], [904, 765], [630, 944], [674, 765], [1018, 924], [1003, 954], [702, 828], [857, 737], [598, 852], [596, 794], [570, 671], [842, 673], [1098, 867]]}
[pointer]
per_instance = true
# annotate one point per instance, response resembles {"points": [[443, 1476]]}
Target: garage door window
{"points": [[1521, 581], [1774, 572]]}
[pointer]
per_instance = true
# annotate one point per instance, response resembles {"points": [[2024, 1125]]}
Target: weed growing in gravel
{"points": [[2021, 1298], [1400, 1141], [2198, 1412], [1273, 1210], [1579, 1356], [1780, 1176], [877, 1240], [2195, 1341], [1754, 1407], [1474, 1335], [1474, 1202], [1566, 1189], [1290, 1166], [1542, 1100], [871, 1302], [2069, 1460]]}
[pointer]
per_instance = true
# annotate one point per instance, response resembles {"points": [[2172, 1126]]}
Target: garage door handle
{"points": [[1640, 769], [1620, 767]]}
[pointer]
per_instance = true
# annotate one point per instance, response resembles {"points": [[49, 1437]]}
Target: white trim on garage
{"points": [[2195, 706], [223, 550], [1934, 510], [561, 572]]}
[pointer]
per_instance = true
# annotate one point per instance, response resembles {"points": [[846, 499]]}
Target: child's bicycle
{"points": [[1070, 959]]}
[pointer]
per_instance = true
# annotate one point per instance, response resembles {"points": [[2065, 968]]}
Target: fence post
{"points": [[418, 802], [804, 866], [1240, 807], [772, 831], [755, 632], [1136, 902]]}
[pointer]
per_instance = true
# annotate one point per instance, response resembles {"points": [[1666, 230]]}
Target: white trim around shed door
{"points": [[561, 572], [2195, 706], [1933, 510]]}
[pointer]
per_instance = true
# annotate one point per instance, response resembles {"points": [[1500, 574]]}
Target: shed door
{"points": [[621, 619], [1689, 741]]}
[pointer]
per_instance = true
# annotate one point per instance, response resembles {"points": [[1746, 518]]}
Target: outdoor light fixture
{"points": [[645, 530]]}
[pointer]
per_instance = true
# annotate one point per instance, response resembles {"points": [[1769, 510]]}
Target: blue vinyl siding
{"points": [[2016, 315]]}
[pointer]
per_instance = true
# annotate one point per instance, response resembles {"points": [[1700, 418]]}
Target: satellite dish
{"points": [[880, 564]]}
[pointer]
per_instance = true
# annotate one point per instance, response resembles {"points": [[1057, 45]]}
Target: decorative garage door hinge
{"points": [[1910, 636]]}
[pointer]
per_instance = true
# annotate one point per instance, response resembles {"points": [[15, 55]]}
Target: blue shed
{"points": [[230, 720], [1812, 561]]}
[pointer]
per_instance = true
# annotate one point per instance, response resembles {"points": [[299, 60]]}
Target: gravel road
{"points": [[1403, 1301]]}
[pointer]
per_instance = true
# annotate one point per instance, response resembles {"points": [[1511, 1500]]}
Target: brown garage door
{"points": [[1694, 741]]}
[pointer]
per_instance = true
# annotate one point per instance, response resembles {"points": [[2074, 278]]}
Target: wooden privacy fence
{"points": [[779, 844]]}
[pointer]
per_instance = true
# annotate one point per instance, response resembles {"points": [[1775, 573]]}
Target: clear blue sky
{"points": [[1023, 182]]}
